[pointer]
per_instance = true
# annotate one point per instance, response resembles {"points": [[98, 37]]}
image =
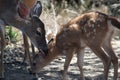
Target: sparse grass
{"points": [[12, 34]]}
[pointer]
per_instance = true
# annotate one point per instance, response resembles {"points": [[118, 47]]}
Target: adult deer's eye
{"points": [[38, 32]]}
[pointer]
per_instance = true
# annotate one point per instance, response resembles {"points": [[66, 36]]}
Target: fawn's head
{"points": [[37, 64], [39, 60]]}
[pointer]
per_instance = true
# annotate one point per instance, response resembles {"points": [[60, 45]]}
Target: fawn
{"points": [[93, 29]]}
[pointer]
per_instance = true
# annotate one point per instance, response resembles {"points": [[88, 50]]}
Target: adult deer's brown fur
{"points": [[93, 29]]}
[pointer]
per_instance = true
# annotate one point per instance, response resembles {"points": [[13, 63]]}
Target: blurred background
{"points": [[58, 12]]}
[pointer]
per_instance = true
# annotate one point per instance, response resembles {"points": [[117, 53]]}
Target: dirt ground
{"points": [[92, 68]]}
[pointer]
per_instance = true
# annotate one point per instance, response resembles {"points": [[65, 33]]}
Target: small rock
{"points": [[36, 79]]}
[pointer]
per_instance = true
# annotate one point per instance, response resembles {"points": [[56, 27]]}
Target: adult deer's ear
{"points": [[36, 9]]}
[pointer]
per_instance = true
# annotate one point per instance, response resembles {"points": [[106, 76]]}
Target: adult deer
{"points": [[35, 11], [93, 29], [10, 14]]}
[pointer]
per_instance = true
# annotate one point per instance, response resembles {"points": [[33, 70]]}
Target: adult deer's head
{"points": [[37, 34]]}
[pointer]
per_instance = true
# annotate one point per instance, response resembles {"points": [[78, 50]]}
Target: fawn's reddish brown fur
{"points": [[93, 29]]}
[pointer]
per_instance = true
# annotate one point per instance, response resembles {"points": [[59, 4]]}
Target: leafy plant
{"points": [[12, 34]]}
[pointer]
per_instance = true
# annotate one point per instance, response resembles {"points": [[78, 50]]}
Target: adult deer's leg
{"points": [[2, 45], [80, 59], [26, 47], [108, 48], [99, 51], [68, 58], [33, 49]]}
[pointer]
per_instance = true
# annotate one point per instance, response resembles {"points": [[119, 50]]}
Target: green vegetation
{"points": [[11, 34]]}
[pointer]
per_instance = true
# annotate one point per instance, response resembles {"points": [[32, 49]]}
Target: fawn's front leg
{"points": [[80, 62], [69, 55]]}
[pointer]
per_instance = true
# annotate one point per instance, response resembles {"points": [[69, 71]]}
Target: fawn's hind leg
{"points": [[98, 50], [108, 48]]}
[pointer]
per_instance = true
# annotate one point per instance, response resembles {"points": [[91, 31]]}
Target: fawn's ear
{"points": [[36, 9]]}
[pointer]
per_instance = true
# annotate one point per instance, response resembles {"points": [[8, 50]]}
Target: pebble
{"points": [[36, 79]]}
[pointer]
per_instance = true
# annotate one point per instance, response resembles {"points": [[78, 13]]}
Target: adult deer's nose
{"points": [[45, 51]]}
